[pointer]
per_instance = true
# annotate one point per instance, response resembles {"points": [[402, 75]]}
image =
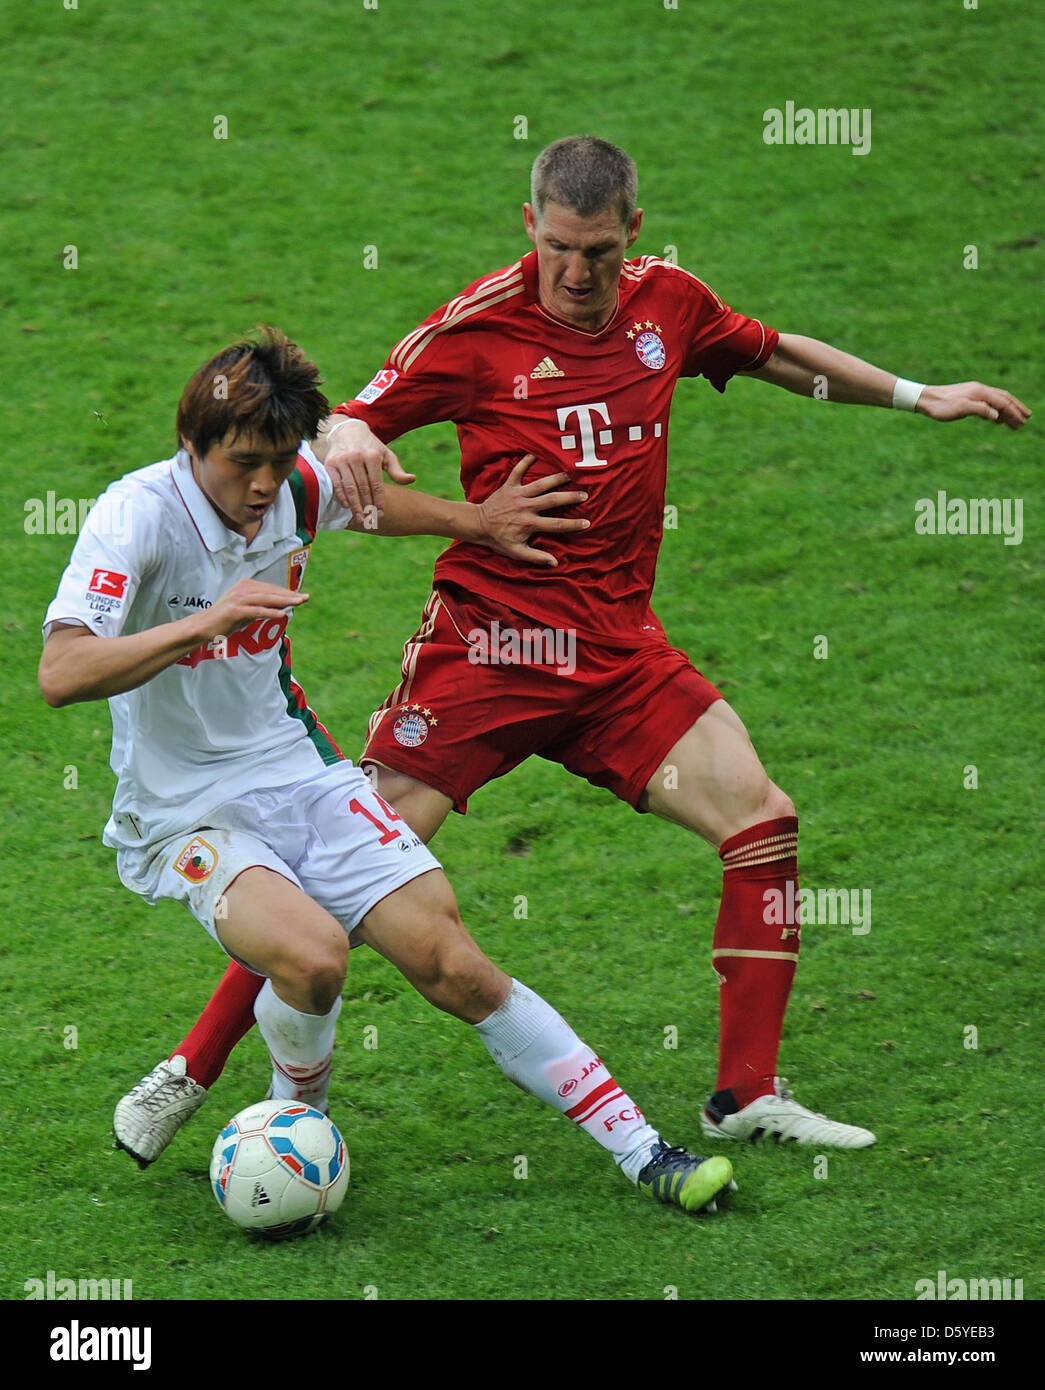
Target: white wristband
{"points": [[334, 429], [906, 394]]}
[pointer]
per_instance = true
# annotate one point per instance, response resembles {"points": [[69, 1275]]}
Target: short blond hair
{"points": [[587, 175]]}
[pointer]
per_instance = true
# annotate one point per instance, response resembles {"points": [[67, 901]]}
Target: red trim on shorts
{"points": [[388, 894]]}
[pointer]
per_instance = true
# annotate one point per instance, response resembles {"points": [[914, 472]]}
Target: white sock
{"points": [[300, 1045], [537, 1049]]}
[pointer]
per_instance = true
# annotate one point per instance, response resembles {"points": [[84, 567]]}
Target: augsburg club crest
{"points": [[197, 860], [296, 567]]}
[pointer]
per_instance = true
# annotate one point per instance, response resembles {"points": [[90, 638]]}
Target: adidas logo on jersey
{"points": [[545, 368]]}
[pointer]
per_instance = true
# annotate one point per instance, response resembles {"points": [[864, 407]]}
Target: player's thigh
{"points": [[275, 928], [247, 896], [422, 807], [712, 780], [419, 929]]}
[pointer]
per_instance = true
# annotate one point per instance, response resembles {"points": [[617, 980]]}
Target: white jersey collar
{"points": [[277, 525]]}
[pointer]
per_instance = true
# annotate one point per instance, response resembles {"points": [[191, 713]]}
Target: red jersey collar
{"points": [[531, 281]]}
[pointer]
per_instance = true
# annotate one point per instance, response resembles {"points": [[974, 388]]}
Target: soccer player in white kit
{"points": [[232, 798]]}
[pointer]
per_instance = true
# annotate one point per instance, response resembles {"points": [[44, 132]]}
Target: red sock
{"points": [[755, 959], [228, 1015]]}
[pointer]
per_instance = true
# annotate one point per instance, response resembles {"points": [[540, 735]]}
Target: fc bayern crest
{"points": [[649, 349], [410, 729]]}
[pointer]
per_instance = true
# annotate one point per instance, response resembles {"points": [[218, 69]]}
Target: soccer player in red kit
{"points": [[572, 354]]}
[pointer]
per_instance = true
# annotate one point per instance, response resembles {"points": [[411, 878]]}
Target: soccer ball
{"points": [[279, 1169]]}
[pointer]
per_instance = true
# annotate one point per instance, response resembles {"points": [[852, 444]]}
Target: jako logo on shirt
{"points": [[261, 636], [189, 601]]}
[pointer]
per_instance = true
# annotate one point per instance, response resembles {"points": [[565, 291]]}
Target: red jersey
{"points": [[515, 380]]}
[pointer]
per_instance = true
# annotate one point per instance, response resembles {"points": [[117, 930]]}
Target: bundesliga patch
{"points": [[649, 349], [108, 582], [378, 386], [411, 728], [197, 860], [296, 567], [105, 591]]}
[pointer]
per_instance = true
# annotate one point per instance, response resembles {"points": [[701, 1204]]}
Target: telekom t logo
{"points": [[584, 413]]}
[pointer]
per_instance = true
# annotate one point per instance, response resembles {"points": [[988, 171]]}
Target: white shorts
{"points": [[329, 834]]}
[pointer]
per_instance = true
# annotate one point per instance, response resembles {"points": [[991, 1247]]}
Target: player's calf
{"points": [[278, 930]]}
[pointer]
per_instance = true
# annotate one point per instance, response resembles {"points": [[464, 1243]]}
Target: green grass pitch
{"points": [[396, 128]]}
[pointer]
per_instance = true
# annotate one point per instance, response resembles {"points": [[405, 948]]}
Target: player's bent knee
{"points": [[471, 984], [764, 802], [457, 977], [312, 981], [777, 804], [760, 799]]}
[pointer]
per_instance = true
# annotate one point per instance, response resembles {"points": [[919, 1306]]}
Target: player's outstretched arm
{"points": [[811, 368], [505, 522], [355, 459], [79, 665]]}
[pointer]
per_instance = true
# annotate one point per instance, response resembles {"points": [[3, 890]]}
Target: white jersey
{"points": [[228, 717]]}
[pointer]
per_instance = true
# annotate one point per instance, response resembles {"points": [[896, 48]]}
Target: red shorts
{"points": [[467, 711]]}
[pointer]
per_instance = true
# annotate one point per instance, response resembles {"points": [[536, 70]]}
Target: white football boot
{"points": [[149, 1116], [781, 1118]]}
